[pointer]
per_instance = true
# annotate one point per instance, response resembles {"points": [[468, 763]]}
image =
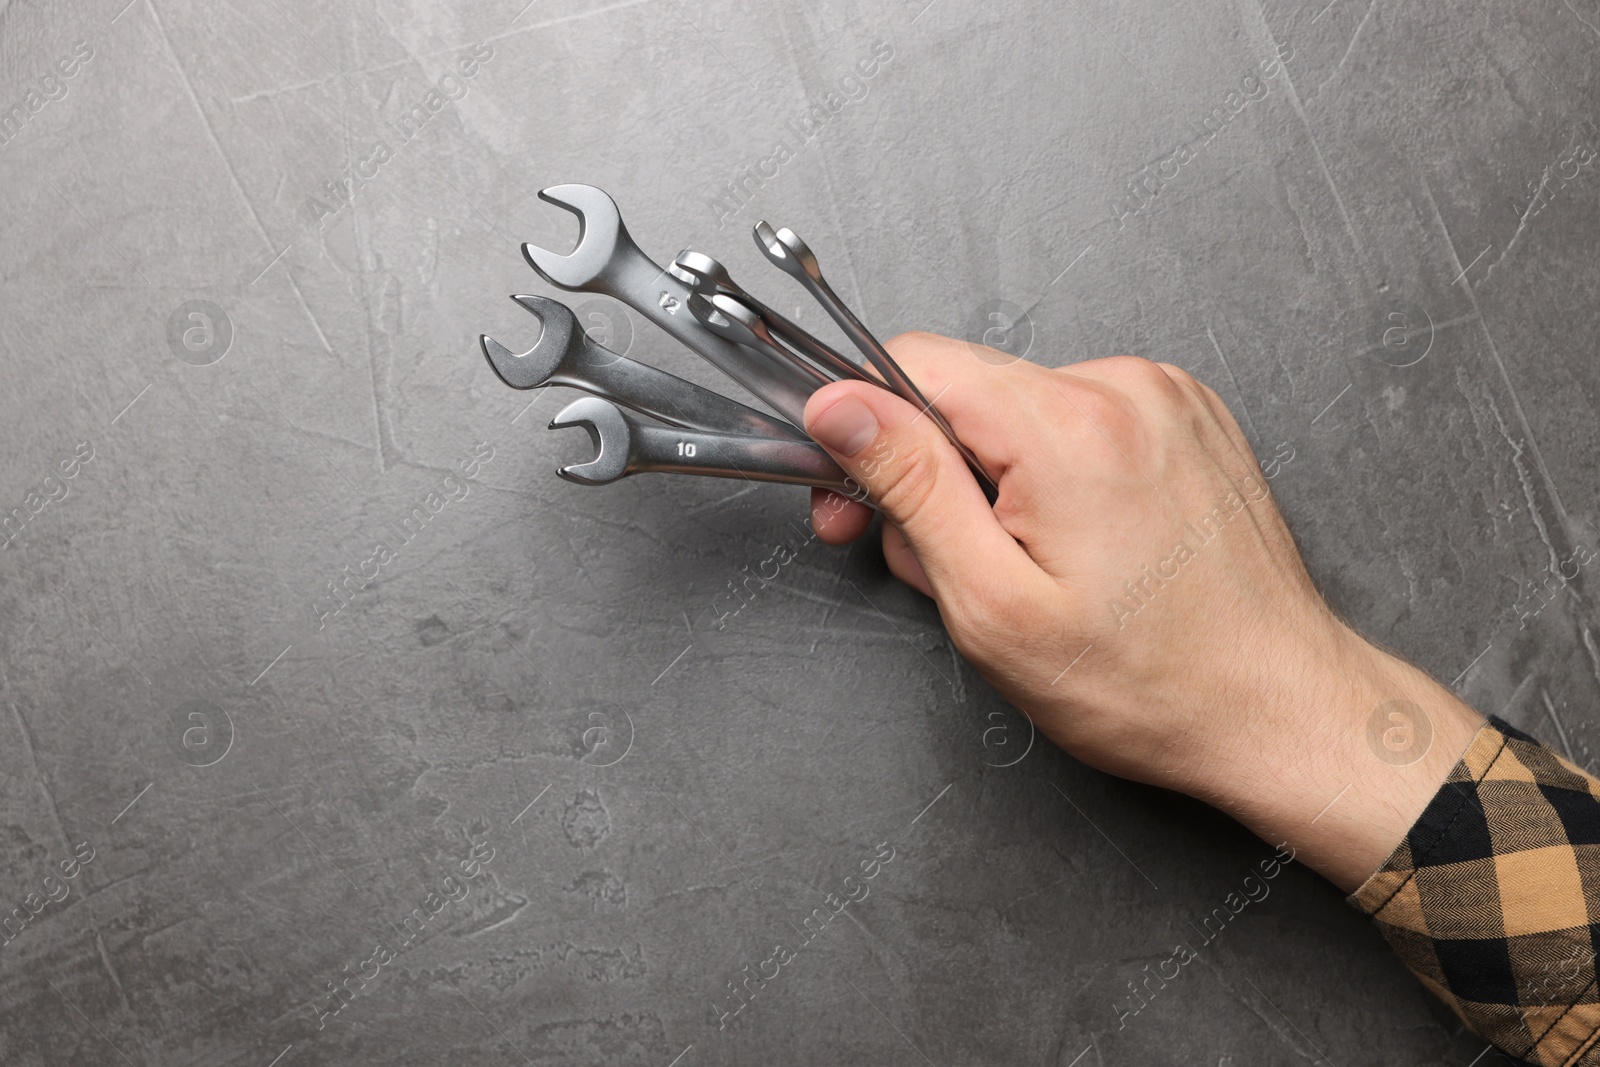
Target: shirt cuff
{"points": [[1493, 898]]}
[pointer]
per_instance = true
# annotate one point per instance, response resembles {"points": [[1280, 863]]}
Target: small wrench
{"points": [[727, 317], [606, 260], [789, 253], [708, 277], [628, 445], [565, 355]]}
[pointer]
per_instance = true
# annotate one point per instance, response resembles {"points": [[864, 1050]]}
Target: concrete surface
{"points": [[525, 734]]}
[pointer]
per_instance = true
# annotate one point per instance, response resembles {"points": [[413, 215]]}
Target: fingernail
{"points": [[847, 427]]}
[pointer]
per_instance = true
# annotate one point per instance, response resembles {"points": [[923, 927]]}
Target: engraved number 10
{"points": [[685, 448]]}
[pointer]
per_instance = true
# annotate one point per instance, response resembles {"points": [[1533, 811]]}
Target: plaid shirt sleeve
{"points": [[1493, 898]]}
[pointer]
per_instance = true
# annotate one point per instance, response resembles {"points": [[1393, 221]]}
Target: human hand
{"points": [[1135, 591]]}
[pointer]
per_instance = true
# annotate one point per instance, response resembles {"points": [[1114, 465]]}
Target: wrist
{"points": [[1340, 755]]}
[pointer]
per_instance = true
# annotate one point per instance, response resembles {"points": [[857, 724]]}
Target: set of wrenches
{"points": [[640, 418]]}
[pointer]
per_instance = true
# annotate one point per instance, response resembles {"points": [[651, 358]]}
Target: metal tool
{"points": [[726, 316], [565, 355], [606, 260], [708, 277], [628, 445], [785, 250]]}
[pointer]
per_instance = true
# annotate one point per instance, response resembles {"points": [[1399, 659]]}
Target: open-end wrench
{"points": [[565, 355], [785, 250], [628, 445], [608, 261], [708, 277], [726, 316]]}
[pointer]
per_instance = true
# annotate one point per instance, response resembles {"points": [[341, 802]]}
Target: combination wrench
{"points": [[727, 317], [710, 278], [628, 445], [786, 251], [606, 260], [565, 355]]}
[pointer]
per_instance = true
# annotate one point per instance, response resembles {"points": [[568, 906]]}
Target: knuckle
{"points": [[1191, 390], [906, 482], [927, 357], [914, 347], [1180, 377], [1103, 413], [1134, 370], [1144, 380], [913, 340]]}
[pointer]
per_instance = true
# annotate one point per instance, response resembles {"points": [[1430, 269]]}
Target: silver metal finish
{"points": [[727, 317], [709, 277], [565, 355], [628, 445], [606, 260], [785, 250]]}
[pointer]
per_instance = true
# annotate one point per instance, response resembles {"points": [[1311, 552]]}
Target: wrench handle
{"points": [[809, 345], [663, 396], [719, 455], [898, 380]]}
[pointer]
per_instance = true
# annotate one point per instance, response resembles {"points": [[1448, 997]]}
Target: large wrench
{"points": [[710, 278], [785, 250], [565, 355], [628, 445], [608, 261]]}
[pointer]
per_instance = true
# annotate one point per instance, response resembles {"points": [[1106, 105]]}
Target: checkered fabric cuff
{"points": [[1493, 898]]}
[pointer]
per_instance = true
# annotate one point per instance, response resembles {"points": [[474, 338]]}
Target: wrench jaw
{"points": [[731, 318], [600, 230], [711, 317], [609, 432], [701, 273], [533, 368], [784, 250]]}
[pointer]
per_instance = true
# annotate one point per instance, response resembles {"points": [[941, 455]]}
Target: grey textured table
{"points": [[507, 781]]}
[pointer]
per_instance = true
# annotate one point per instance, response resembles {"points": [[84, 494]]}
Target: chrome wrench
{"points": [[628, 445], [785, 250], [710, 278], [727, 317], [606, 260], [565, 355]]}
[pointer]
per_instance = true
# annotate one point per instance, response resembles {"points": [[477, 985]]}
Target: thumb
{"points": [[920, 483]]}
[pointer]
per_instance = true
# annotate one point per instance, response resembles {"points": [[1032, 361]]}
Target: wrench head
{"points": [[557, 336], [711, 316], [610, 433], [784, 250], [600, 232], [682, 275], [730, 317], [702, 273]]}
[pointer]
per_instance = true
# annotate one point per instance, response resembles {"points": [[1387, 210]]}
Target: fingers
{"points": [[837, 519], [921, 484], [970, 391]]}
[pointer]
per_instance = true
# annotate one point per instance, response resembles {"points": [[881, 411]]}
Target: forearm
{"points": [[1342, 753]]}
